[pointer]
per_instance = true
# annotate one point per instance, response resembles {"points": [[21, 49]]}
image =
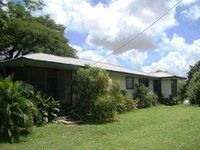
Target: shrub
{"points": [[16, 111], [91, 86], [104, 108], [95, 99], [129, 102], [169, 100], [181, 91], [47, 107], [124, 101], [145, 98], [153, 98], [193, 89]]}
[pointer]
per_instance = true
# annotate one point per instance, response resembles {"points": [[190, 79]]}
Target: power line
{"points": [[140, 33]]}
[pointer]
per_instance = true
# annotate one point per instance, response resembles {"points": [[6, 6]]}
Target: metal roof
{"points": [[165, 74], [58, 61], [81, 62]]}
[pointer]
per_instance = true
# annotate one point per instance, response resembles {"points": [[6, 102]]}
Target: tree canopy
{"points": [[193, 89], [193, 69], [193, 84], [22, 33]]}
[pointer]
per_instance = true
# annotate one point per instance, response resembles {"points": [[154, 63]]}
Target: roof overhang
{"points": [[67, 63], [27, 62]]}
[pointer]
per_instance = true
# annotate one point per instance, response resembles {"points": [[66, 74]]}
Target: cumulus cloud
{"points": [[192, 13], [179, 57], [133, 59], [108, 27], [115, 24]]}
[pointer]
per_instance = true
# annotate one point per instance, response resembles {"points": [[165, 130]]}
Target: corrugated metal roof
{"points": [[68, 61], [165, 74], [81, 62]]}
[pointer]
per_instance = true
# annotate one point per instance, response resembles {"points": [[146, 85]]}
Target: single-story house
{"points": [[54, 75]]}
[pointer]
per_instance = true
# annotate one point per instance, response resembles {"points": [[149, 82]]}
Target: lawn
{"points": [[162, 127]]}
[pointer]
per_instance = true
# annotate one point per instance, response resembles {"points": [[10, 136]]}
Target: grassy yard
{"points": [[162, 127]]}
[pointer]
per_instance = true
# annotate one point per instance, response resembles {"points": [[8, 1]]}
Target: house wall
{"points": [[166, 87], [121, 78]]}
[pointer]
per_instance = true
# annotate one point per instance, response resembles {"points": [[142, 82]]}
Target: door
{"points": [[157, 88]]}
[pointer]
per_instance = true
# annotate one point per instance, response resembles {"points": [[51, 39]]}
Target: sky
{"points": [[96, 28]]}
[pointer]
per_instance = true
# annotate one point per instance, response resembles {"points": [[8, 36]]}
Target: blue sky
{"points": [[97, 27]]}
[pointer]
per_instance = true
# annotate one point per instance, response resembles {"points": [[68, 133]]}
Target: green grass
{"points": [[162, 127]]}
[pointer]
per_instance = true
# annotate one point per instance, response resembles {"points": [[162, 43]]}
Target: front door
{"points": [[157, 87]]}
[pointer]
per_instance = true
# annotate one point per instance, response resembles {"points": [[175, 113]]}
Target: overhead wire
{"points": [[140, 33]]}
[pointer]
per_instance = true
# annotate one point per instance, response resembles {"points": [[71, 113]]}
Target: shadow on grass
{"points": [[23, 133]]}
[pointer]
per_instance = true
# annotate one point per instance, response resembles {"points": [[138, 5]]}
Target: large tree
{"points": [[193, 89], [22, 33], [193, 70], [193, 84]]}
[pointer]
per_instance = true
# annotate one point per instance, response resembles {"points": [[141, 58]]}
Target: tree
{"points": [[23, 33], [193, 89], [193, 69], [181, 90]]}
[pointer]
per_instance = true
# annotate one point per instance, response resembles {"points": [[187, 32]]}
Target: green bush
{"points": [[193, 89], [153, 98], [93, 97], [16, 111], [145, 98], [48, 108], [169, 100], [181, 91], [90, 88], [129, 102], [124, 101], [104, 108]]}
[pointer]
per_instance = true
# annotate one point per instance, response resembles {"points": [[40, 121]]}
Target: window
{"points": [[174, 87], [129, 83], [144, 81]]}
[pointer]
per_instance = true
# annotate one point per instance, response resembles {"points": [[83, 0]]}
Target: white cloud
{"points": [[188, 2], [192, 13], [130, 59], [115, 24], [180, 56], [111, 26]]}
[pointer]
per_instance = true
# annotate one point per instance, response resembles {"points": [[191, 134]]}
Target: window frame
{"points": [[127, 79]]}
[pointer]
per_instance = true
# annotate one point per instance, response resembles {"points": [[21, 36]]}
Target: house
{"points": [[54, 75]]}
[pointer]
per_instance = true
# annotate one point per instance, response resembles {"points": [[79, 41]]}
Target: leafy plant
{"points": [[48, 108], [124, 101], [182, 90], [145, 98], [16, 111], [95, 98], [193, 89], [104, 108], [90, 84]]}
